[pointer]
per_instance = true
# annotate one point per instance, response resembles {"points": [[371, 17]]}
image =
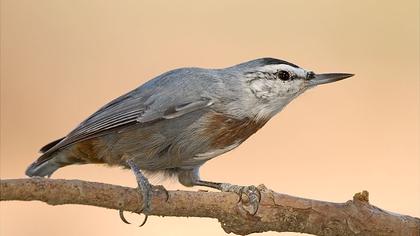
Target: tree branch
{"points": [[277, 212]]}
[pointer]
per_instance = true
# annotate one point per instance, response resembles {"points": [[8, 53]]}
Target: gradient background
{"points": [[62, 60]]}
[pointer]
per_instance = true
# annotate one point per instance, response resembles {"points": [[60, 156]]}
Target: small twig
{"points": [[277, 212]]}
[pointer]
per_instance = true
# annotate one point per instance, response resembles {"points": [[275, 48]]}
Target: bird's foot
{"points": [[145, 189], [253, 196]]}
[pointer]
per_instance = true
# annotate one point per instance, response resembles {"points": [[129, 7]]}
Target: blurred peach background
{"points": [[62, 60]]}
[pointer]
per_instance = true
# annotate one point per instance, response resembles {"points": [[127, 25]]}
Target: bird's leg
{"points": [[190, 177], [145, 189], [252, 192]]}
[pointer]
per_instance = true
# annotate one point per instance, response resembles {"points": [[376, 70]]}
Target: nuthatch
{"points": [[181, 119]]}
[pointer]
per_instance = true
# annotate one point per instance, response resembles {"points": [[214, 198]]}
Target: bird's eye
{"points": [[283, 75]]}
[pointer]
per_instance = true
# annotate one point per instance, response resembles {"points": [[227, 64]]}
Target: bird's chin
{"points": [[309, 86]]}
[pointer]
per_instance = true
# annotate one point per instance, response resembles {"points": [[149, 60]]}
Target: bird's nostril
{"points": [[310, 75]]}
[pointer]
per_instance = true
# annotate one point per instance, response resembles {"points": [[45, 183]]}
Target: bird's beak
{"points": [[318, 79]]}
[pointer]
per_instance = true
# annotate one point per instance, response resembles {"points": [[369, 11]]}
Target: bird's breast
{"points": [[225, 131]]}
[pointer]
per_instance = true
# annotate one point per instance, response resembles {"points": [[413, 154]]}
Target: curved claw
{"points": [[255, 204], [167, 195], [257, 191], [259, 195], [122, 217], [252, 192], [144, 221], [160, 187], [241, 191]]}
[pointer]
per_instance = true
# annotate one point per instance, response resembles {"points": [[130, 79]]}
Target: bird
{"points": [[179, 120]]}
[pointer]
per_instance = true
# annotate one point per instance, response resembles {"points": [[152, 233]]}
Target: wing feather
{"points": [[125, 111]]}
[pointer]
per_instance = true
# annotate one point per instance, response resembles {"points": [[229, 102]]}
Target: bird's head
{"points": [[275, 83]]}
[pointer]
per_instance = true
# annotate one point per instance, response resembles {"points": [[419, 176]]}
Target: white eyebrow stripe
{"points": [[274, 68]]}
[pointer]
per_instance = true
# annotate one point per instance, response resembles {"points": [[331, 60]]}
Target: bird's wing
{"points": [[134, 108], [174, 110]]}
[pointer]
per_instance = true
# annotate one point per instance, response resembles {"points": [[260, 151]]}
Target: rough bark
{"points": [[277, 212]]}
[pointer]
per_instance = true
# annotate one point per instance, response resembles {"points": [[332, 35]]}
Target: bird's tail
{"points": [[44, 167], [48, 162]]}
